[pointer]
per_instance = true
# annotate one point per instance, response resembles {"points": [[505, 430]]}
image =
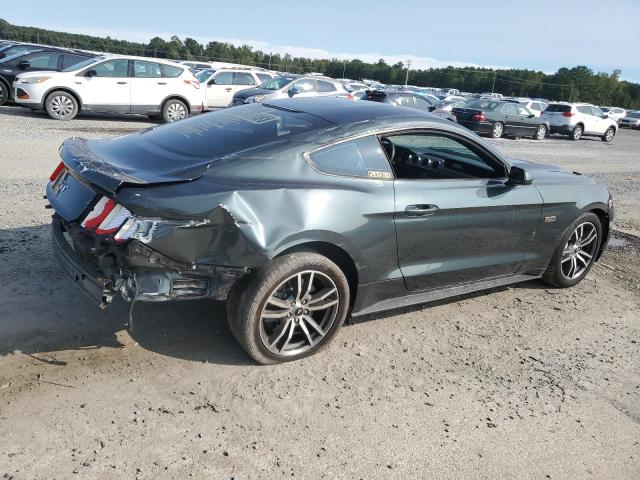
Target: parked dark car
{"points": [[498, 118], [264, 89], [49, 59], [300, 212], [406, 99]]}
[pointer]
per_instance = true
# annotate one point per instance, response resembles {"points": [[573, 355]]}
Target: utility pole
{"points": [[269, 61], [493, 85], [344, 64], [406, 79]]}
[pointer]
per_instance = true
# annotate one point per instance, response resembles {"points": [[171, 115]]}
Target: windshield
{"points": [[229, 131], [81, 65], [484, 105], [633, 114], [277, 83], [605, 109], [204, 75]]}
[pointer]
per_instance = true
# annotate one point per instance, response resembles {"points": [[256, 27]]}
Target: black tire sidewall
{"points": [[47, 105], [554, 272], [5, 94], [574, 131], [248, 298], [604, 137], [538, 137]]}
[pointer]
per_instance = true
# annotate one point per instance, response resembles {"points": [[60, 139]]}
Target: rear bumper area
{"points": [[84, 274], [482, 128], [134, 270], [562, 129]]}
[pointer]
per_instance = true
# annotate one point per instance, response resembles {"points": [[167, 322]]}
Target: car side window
{"points": [[223, 78], [523, 111], [305, 85], [585, 109], [142, 69], [326, 86], [510, 109], [535, 106], [263, 77], [421, 103], [112, 68], [47, 61], [433, 156], [363, 157], [169, 71], [596, 112], [244, 78], [405, 101], [69, 60]]}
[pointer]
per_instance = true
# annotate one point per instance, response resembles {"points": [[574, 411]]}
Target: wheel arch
{"points": [[69, 90], [336, 254], [606, 228], [176, 96], [6, 83]]}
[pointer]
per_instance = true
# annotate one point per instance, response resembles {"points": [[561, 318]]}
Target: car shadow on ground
{"points": [[16, 110]]}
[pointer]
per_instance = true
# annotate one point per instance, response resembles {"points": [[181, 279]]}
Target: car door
{"points": [[511, 119], [39, 61], [457, 218], [305, 87], [219, 90], [527, 121], [148, 88], [105, 86], [587, 117], [600, 123], [242, 81]]}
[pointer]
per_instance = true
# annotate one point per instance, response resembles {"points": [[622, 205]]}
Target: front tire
{"points": [[576, 133], [174, 110], [498, 130], [541, 132], [608, 135], [61, 105], [576, 252], [290, 308]]}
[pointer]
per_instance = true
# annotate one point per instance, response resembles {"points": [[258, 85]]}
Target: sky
{"points": [[539, 35]]}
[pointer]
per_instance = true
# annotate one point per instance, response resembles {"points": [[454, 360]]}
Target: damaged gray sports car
{"points": [[301, 212]]}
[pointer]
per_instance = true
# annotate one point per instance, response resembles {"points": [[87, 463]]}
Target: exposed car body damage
{"points": [[204, 214]]}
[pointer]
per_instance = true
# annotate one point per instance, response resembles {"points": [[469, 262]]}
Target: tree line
{"points": [[579, 83]]}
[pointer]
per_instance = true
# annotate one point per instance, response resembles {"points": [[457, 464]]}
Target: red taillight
{"points": [[98, 214], [478, 117], [567, 114], [194, 83], [106, 218], [349, 96], [56, 173]]}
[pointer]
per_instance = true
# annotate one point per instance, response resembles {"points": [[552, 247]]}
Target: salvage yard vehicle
{"points": [[289, 86], [301, 212], [496, 118], [402, 98], [221, 85], [113, 84], [578, 119], [45, 59], [631, 120]]}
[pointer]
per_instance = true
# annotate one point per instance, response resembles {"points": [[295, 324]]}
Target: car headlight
{"points": [[34, 79], [254, 99]]}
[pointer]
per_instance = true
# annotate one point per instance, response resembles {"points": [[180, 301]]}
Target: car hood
{"points": [[250, 92], [542, 172], [39, 73]]}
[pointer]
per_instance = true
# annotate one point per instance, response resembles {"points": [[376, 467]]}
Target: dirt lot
{"points": [[522, 382]]}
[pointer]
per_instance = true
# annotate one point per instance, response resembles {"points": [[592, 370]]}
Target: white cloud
{"points": [[417, 62]]}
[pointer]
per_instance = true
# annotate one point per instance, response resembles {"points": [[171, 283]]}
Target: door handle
{"points": [[420, 210], [228, 89], [122, 83], [162, 83]]}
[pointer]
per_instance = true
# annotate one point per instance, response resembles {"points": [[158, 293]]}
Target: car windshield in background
{"points": [[277, 83], [558, 108], [204, 75], [81, 65], [633, 114], [605, 109], [229, 131]]}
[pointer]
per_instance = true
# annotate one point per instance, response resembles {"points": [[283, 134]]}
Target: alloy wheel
{"points": [[542, 132], [176, 111], [61, 106], [579, 251], [609, 135], [497, 130], [299, 313]]}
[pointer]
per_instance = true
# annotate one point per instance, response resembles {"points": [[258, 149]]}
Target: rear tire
{"points": [[498, 130], [61, 105], [4, 94], [174, 110], [576, 133], [570, 252], [541, 132], [267, 311], [608, 135]]}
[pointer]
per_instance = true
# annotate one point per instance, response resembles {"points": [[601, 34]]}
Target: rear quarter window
{"points": [[169, 71], [363, 158], [558, 108]]}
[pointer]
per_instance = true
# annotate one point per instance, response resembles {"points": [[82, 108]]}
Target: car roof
{"points": [[341, 111]]}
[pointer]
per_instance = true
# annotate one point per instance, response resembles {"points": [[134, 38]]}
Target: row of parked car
{"points": [[64, 82]]}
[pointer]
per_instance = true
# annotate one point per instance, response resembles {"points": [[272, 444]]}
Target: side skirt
{"points": [[440, 294]]}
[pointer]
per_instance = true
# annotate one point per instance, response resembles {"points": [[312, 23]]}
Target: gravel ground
{"points": [[520, 382]]}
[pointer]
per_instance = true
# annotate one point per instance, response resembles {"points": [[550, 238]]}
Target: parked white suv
{"points": [[536, 106], [578, 119], [219, 86], [614, 112], [113, 84]]}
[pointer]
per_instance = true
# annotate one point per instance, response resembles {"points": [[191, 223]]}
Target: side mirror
{"points": [[605, 116], [293, 91], [531, 115], [90, 73], [519, 176], [23, 65], [431, 108], [211, 82]]}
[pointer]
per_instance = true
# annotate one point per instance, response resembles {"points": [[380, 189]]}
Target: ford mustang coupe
{"points": [[301, 212]]}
